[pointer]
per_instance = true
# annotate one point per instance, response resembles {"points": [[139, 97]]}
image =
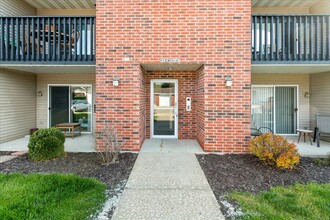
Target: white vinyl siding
{"points": [[320, 95], [280, 10], [17, 104], [16, 8], [301, 80], [43, 80], [322, 7], [66, 12]]}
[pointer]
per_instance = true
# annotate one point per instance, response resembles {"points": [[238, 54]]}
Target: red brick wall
{"points": [[200, 113], [186, 88], [213, 32], [143, 115]]}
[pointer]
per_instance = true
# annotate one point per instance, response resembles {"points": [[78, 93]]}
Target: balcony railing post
{"points": [[295, 41], [305, 39], [75, 37], [80, 39], [328, 34], [93, 40], [299, 39], [271, 37], [260, 38], [277, 32], [86, 40], [43, 39]]}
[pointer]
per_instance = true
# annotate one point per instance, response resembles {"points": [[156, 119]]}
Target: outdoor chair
{"points": [[74, 39], [322, 127], [255, 132]]}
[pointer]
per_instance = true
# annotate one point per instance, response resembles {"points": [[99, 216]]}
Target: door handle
{"points": [[295, 109]]}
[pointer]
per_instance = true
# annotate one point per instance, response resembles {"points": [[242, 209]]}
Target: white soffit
{"points": [[285, 3], [61, 4], [296, 69], [52, 69]]}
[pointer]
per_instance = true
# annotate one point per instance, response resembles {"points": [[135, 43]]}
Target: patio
{"points": [[307, 150], [81, 143]]}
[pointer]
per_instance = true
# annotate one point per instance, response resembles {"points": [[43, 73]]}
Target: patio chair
{"points": [[255, 132], [322, 127], [73, 40]]}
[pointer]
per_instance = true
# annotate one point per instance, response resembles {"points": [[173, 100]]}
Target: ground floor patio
{"points": [[84, 143], [81, 143]]}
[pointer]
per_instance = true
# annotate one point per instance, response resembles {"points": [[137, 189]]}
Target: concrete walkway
{"points": [[167, 186]]}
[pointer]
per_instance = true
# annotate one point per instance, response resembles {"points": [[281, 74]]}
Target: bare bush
{"points": [[111, 146]]}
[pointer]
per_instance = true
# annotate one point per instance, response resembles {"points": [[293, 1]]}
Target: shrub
{"points": [[275, 151], [46, 144], [111, 145]]}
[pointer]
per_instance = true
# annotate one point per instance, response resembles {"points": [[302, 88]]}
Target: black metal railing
{"points": [[290, 38], [47, 39]]}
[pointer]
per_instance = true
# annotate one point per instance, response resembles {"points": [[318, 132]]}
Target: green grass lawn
{"points": [[310, 201], [49, 196]]}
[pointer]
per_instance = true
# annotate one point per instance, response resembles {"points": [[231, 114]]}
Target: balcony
{"points": [[290, 39], [47, 40]]}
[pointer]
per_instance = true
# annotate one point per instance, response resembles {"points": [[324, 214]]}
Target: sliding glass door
{"points": [[275, 107], [58, 105], [286, 110], [71, 104]]}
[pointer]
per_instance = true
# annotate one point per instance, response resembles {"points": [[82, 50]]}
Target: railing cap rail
{"points": [[47, 17], [290, 15]]}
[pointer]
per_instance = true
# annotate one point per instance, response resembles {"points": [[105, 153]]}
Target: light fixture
{"points": [[307, 94], [115, 81], [229, 81], [39, 93]]}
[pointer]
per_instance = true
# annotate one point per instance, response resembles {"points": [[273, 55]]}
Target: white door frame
{"points": [[175, 81]]}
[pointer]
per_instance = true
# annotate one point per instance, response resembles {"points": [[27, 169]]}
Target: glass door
{"points": [[59, 105], [81, 106], [275, 107], [164, 111], [71, 103], [286, 109]]}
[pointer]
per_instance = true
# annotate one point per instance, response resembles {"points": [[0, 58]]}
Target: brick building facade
{"points": [[208, 40]]}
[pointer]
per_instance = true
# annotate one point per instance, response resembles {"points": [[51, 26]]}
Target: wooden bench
{"points": [[69, 126]]}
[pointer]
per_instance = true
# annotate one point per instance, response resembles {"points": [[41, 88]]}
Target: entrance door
{"points": [[164, 108], [59, 105]]}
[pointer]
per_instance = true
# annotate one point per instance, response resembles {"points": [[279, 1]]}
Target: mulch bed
{"points": [[2, 153], [245, 173], [81, 164]]}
